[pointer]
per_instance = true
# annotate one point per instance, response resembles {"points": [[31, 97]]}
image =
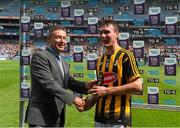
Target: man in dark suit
{"points": [[50, 78]]}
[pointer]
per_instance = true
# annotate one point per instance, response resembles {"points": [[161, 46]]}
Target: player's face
{"points": [[108, 36], [58, 40]]}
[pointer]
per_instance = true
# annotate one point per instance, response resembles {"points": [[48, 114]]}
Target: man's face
{"points": [[57, 40], [108, 35]]}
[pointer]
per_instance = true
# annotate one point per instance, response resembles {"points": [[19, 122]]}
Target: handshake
{"points": [[84, 104], [96, 91]]}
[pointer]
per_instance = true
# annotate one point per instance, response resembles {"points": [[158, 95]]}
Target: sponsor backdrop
{"points": [[149, 28]]}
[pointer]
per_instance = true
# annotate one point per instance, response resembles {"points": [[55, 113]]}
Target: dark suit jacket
{"points": [[49, 92]]}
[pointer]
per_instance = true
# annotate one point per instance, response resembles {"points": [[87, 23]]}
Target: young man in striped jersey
{"points": [[121, 78]]}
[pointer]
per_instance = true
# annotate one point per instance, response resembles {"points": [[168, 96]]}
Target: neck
{"points": [[54, 49], [55, 52], [111, 50]]}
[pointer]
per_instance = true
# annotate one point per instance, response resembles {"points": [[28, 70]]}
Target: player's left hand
{"points": [[98, 91]]}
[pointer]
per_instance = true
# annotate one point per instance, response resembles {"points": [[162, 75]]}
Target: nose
{"points": [[63, 40], [102, 34]]}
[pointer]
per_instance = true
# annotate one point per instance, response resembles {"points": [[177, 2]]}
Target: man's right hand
{"points": [[79, 102], [89, 103]]}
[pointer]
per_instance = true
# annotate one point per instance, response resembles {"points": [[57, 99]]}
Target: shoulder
{"points": [[126, 52], [127, 55], [39, 53], [100, 58]]}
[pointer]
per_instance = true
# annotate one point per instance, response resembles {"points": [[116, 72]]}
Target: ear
{"points": [[117, 34], [47, 39]]}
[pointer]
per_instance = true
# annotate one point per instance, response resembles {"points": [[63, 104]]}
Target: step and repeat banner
{"points": [[148, 28]]}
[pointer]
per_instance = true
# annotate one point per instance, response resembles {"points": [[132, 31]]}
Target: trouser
{"points": [[58, 124], [37, 126]]}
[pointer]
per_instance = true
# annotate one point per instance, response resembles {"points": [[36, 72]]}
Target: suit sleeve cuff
{"points": [[69, 101]]}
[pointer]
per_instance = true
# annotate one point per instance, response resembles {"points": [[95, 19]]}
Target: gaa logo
{"points": [[109, 77]]}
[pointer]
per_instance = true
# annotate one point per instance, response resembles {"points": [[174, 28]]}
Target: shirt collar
{"points": [[55, 53], [111, 52]]}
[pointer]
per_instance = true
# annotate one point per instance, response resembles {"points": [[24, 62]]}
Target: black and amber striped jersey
{"points": [[123, 67]]}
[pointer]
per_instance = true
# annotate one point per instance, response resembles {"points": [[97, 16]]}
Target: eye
{"points": [[64, 38], [105, 32]]}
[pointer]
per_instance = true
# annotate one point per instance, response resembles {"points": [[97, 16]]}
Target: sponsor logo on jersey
{"points": [[109, 77]]}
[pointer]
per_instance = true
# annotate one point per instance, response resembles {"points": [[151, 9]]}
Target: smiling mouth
{"points": [[59, 46], [105, 41]]}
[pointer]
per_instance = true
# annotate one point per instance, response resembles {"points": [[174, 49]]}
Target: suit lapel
{"points": [[54, 60]]}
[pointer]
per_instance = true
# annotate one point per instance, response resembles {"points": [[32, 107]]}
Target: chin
{"points": [[60, 49], [107, 45]]}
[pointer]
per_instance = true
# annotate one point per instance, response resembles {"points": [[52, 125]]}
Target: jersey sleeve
{"points": [[130, 67]]}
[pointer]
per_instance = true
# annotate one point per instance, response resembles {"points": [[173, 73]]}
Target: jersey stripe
{"points": [[133, 64], [127, 112], [102, 68], [118, 99]]}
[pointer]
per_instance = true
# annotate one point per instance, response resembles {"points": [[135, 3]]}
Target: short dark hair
{"points": [[54, 29], [109, 22]]}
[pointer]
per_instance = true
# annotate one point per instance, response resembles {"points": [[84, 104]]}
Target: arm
{"points": [[134, 86], [76, 86]]}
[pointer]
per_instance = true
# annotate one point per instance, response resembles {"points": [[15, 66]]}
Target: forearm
{"points": [[77, 86], [134, 86]]}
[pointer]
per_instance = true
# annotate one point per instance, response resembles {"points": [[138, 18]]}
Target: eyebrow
{"points": [[104, 31]]}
